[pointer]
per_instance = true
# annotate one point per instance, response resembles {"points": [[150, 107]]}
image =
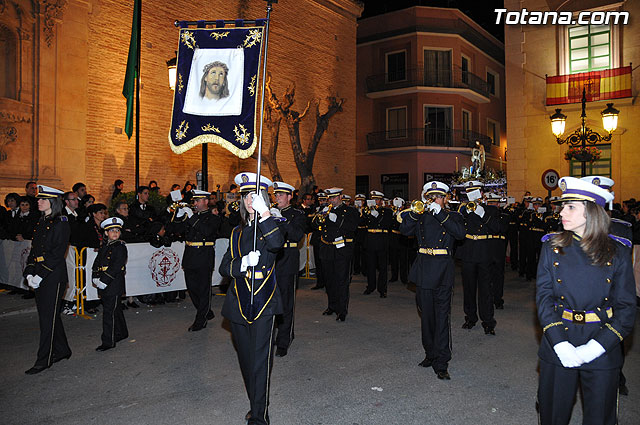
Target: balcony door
{"points": [[437, 68], [438, 125]]}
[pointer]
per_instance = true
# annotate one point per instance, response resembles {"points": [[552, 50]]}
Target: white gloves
{"points": [[35, 281], [98, 283], [333, 217], [568, 354], [184, 210], [590, 351], [275, 212], [375, 213], [258, 204], [325, 209], [249, 260], [530, 207], [30, 281], [435, 207], [479, 210]]}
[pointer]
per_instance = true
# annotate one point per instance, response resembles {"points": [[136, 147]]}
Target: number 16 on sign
{"points": [[550, 180]]}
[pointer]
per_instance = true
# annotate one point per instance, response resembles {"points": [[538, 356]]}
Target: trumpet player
{"points": [[200, 228], [336, 251], [287, 262], [316, 229], [360, 247], [397, 249], [436, 231], [379, 221], [481, 222]]}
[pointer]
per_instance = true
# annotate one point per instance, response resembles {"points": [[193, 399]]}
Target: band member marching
{"points": [[108, 271], [201, 230], [379, 221], [436, 231], [46, 274], [252, 316], [339, 224], [287, 262]]}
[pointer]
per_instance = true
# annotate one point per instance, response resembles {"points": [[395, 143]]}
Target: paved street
{"points": [[362, 371]]}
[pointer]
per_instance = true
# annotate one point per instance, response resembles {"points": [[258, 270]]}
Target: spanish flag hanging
{"points": [[598, 85], [216, 89]]}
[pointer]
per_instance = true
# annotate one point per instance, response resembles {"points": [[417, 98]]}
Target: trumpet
{"points": [[471, 206], [417, 207], [322, 217], [177, 205]]}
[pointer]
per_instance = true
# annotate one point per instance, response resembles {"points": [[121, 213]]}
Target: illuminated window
{"points": [[589, 48]]}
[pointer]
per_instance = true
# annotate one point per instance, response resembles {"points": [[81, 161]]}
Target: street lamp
{"points": [[173, 70], [584, 134]]}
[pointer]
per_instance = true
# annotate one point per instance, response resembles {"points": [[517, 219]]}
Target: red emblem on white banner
{"points": [[164, 265]]}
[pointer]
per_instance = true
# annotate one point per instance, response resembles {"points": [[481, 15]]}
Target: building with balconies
{"points": [[548, 67], [430, 84]]}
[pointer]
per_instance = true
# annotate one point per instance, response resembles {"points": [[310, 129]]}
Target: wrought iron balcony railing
{"points": [[414, 137], [425, 77]]}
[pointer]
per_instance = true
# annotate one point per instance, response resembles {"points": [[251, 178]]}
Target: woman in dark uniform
{"points": [[46, 273], [108, 271], [586, 306], [252, 321]]}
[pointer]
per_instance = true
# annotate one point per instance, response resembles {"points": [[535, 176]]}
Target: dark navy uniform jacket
{"points": [[48, 249], [478, 250], [435, 231], [110, 267], [378, 228], [566, 279], [293, 229], [266, 300], [200, 232], [344, 227]]}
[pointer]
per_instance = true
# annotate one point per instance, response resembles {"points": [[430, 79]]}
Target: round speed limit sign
{"points": [[550, 179]]}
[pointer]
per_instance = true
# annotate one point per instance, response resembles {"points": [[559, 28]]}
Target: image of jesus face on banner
{"points": [[215, 85]]}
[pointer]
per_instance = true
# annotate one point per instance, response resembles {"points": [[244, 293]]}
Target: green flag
{"points": [[129, 88]]}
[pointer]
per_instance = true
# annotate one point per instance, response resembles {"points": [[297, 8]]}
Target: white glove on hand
{"points": [[258, 204], [98, 283], [275, 212], [29, 280], [180, 212], [375, 213], [567, 354], [250, 260], [590, 351], [479, 210], [35, 281], [435, 207], [184, 210], [325, 209], [333, 217]]}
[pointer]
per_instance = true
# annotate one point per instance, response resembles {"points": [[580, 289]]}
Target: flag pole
{"points": [[139, 28], [264, 74]]}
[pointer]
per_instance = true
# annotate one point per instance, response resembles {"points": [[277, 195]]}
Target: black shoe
{"points": [[427, 362], [28, 296], [500, 306], [328, 312], [317, 287], [35, 369], [367, 291], [443, 374], [210, 315], [281, 352], [132, 304], [341, 317], [489, 330], [57, 359], [468, 325], [393, 279], [623, 390], [104, 347], [197, 327], [383, 295]]}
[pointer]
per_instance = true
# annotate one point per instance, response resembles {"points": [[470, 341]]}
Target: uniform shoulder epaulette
{"points": [[549, 236], [623, 222], [63, 218], [624, 241]]}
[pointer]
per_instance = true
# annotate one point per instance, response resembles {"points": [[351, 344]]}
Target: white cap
{"points": [[247, 182], [283, 187], [574, 189], [333, 191], [346, 197], [45, 192], [603, 182], [112, 223], [197, 193], [435, 187], [473, 185], [375, 194]]}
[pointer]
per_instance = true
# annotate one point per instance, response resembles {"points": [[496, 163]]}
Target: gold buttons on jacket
{"points": [[562, 297], [559, 280], [556, 250], [608, 263], [608, 280], [556, 264]]}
